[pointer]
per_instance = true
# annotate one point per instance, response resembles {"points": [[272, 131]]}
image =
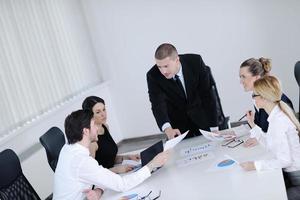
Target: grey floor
{"points": [[133, 144], [126, 145]]}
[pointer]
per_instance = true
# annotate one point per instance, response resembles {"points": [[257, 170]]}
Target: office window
{"points": [[46, 57]]}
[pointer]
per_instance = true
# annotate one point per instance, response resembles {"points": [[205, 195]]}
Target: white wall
{"points": [[36, 167], [29, 135], [225, 33]]}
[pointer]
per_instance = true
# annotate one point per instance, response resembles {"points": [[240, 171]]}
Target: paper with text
{"points": [[197, 149], [195, 159], [212, 136], [172, 143], [136, 164]]}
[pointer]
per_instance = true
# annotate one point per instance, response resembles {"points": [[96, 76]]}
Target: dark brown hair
{"points": [[165, 50], [90, 101], [75, 123], [261, 66]]}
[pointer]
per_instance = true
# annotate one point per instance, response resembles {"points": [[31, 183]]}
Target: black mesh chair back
{"points": [[53, 141], [297, 76], [222, 120], [13, 183]]}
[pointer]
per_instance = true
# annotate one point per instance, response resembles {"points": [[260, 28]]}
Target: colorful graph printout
{"points": [[225, 163]]}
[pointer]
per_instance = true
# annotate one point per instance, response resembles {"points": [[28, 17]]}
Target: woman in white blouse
{"points": [[282, 138]]}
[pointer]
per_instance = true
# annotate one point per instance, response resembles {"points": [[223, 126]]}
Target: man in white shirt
{"points": [[77, 171]]}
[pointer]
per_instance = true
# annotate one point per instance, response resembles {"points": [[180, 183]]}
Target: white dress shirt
{"points": [[281, 140], [77, 171]]}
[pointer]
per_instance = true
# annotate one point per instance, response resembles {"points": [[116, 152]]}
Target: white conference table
{"points": [[203, 180]]}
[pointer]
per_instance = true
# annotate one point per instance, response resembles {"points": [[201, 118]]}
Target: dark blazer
{"points": [[260, 117], [169, 104]]}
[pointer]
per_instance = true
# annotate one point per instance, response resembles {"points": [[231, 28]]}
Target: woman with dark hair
{"points": [[107, 157], [251, 70]]}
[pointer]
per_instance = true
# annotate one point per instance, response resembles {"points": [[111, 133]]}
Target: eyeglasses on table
{"points": [[233, 143], [148, 197]]}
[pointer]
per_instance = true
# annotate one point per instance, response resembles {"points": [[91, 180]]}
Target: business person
{"points": [[282, 136], [251, 70], [181, 93], [105, 149], [77, 171]]}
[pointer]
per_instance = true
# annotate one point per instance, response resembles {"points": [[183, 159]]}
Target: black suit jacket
{"points": [[168, 103]]}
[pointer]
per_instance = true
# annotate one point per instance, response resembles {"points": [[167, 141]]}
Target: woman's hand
{"points": [[251, 142], [120, 169], [250, 118], [248, 166], [135, 157]]}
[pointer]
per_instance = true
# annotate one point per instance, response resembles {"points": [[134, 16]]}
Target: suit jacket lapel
{"points": [[171, 85]]}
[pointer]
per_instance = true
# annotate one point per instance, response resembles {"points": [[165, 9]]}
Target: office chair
{"points": [[53, 141], [297, 76], [222, 120], [13, 183]]}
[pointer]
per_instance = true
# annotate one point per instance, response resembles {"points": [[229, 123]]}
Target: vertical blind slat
{"points": [[46, 58]]}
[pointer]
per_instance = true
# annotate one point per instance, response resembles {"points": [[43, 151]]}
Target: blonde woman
{"points": [[282, 138]]}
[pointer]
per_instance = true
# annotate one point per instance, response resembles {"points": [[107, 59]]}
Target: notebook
{"points": [[148, 154]]}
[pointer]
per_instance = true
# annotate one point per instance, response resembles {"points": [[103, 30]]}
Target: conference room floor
{"points": [[134, 144]]}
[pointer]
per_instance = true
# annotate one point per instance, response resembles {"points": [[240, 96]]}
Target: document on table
{"points": [[172, 143], [131, 162], [226, 134], [212, 136], [197, 149], [135, 164], [195, 159], [225, 162], [241, 130]]}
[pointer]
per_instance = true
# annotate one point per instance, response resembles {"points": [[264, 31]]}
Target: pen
{"points": [[244, 115]]}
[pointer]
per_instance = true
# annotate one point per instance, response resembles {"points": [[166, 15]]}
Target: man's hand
{"points": [[171, 133], [248, 166], [120, 169], [93, 194], [159, 160], [251, 142]]}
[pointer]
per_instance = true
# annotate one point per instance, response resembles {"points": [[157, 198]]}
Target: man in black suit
{"points": [[180, 91]]}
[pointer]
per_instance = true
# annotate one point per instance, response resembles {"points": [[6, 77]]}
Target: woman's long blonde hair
{"points": [[269, 88]]}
